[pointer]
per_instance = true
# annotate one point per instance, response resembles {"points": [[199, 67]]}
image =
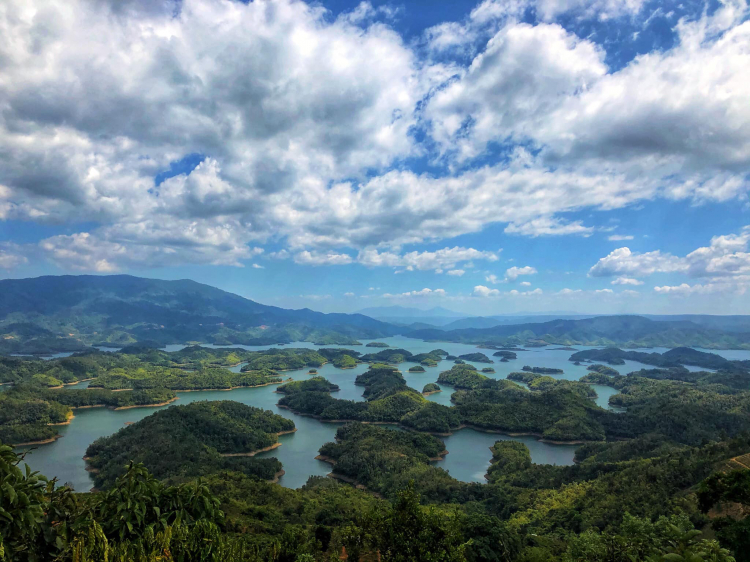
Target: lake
{"points": [[468, 457]]}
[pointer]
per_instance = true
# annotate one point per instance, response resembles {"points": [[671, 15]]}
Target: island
{"points": [[543, 370], [430, 388], [181, 442]]}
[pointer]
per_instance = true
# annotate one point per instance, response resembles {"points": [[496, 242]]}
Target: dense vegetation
{"points": [[314, 384], [68, 313], [28, 412], [430, 388], [542, 370], [183, 442], [603, 369], [178, 379], [229, 517], [387, 399], [476, 357], [417, 369], [673, 358]]}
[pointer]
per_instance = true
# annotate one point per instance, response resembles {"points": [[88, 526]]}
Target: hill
{"points": [[621, 331], [183, 442], [68, 313]]}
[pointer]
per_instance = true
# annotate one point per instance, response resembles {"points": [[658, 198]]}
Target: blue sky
{"points": [[490, 157]]}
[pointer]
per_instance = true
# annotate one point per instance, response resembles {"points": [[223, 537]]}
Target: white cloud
{"points": [[456, 272], [522, 76], [440, 259], [720, 286], [305, 121], [421, 293], [10, 259], [482, 291], [112, 249], [511, 274], [322, 258], [257, 266], [623, 262], [525, 284], [547, 226], [515, 272], [348, 294], [725, 257], [626, 281], [533, 293], [619, 237], [604, 291]]}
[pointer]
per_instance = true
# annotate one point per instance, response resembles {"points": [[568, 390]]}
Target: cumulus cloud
{"points": [[482, 291], [514, 272], [115, 251], [440, 259], [525, 284], [623, 262], [421, 293], [304, 123], [726, 256], [626, 281], [322, 258], [456, 272], [11, 259]]}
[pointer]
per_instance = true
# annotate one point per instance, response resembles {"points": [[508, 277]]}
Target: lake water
{"points": [[468, 458]]}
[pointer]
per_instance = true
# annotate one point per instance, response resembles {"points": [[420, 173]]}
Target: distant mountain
{"points": [[737, 323], [59, 313], [621, 331], [409, 312]]}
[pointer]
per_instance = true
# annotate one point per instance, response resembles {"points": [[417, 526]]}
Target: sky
{"points": [[492, 158]]}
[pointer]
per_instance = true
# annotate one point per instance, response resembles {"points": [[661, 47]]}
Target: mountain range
{"points": [[71, 313], [63, 313]]}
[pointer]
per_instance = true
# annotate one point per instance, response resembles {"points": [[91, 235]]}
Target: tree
{"points": [[408, 532]]}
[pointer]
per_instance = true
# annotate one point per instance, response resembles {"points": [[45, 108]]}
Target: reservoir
{"points": [[468, 457]]}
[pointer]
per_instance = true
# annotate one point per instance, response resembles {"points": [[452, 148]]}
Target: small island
{"points": [[417, 369], [377, 344], [430, 388], [604, 370], [476, 357], [543, 370], [488, 370]]}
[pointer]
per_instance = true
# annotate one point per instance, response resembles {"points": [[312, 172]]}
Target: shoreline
{"points": [[67, 421], [431, 392], [253, 453], [41, 442], [115, 408], [264, 449]]}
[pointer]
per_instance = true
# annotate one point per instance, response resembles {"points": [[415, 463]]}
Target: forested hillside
{"points": [[62, 313]]}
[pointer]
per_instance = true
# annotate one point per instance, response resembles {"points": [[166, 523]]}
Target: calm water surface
{"points": [[468, 457]]}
